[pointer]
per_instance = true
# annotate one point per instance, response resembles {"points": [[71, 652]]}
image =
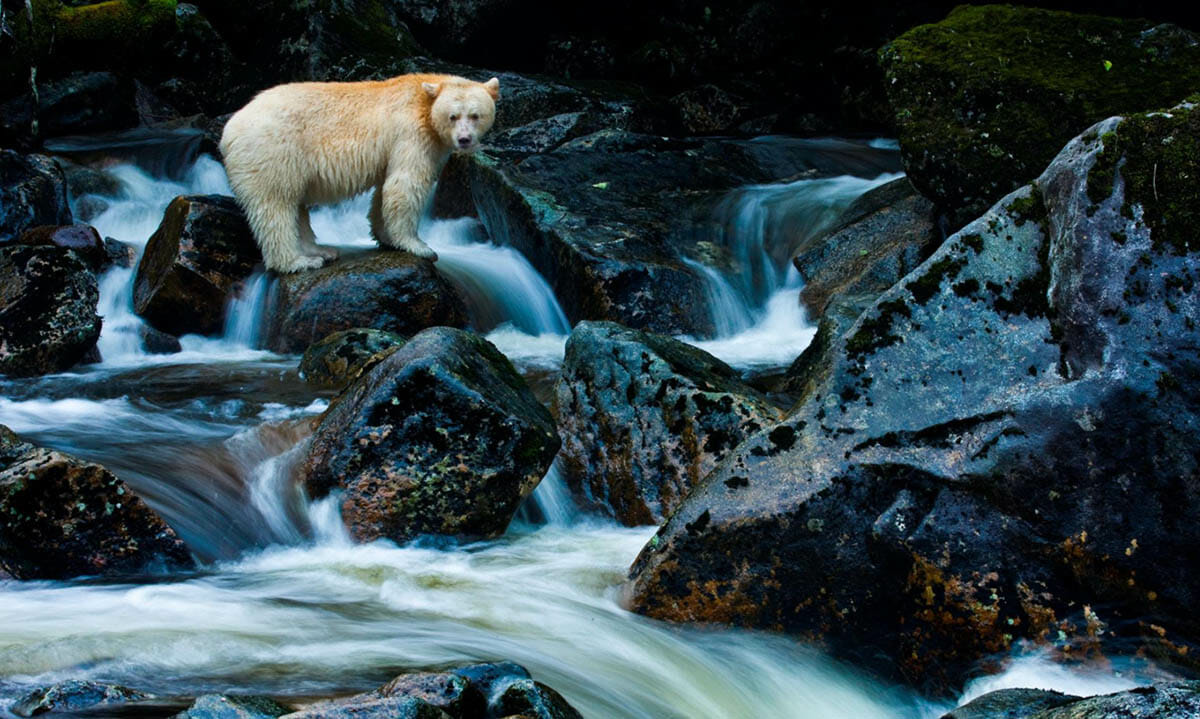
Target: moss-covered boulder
{"points": [[338, 359], [193, 263], [384, 290], [48, 320], [442, 437], [1003, 449], [61, 517], [644, 417], [984, 99]]}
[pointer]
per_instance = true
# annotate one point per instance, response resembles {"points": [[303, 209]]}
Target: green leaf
{"points": [[601, 185], [1107, 65]]}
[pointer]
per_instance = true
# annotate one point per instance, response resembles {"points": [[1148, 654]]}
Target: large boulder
{"points": [[33, 192], [442, 437], [48, 320], [193, 263], [61, 517], [984, 99], [1174, 700], [644, 417], [612, 219], [1004, 449], [385, 290]]}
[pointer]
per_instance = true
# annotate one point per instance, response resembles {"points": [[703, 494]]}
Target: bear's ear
{"points": [[493, 87], [431, 88]]}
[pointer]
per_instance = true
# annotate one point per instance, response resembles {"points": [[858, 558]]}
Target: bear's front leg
{"points": [[403, 196]]}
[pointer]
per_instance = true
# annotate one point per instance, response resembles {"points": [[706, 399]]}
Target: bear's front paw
{"points": [[418, 248]]}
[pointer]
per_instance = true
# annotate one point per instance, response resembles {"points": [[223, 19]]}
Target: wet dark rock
{"points": [[491, 678], [526, 697], [984, 99], [1011, 704], [80, 103], [48, 319], [61, 517], [158, 343], [882, 237], [193, 263], [119, 254], [386, 708], [385, 290], [442, 437], [1000, 438], [453, 694], [33, 192], [84, 180], [340, 357], [644, 417], [84, 239], [707, 109], [219, 706], [609, 218], [73, 695]]}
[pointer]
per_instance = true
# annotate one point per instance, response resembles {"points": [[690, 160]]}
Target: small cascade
{"points": [[246, 313], [160, 153], [550, 503]]}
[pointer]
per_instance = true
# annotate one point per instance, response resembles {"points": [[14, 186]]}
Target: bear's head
{"points": [[463, 111]]}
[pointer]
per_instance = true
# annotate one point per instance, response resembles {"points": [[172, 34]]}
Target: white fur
{"points": [[303, 144]]}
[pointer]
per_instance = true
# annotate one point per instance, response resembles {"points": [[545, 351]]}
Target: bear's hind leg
{"points": [[308, 239], [276, 227]]}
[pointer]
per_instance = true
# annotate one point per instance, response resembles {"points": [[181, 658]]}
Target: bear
{"points": [[312, 143]]}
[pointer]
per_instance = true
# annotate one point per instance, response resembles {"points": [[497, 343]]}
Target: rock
{"points": [[442, 437], [534, 699], [192, 264], [984, 99], [882, 237], [158, 343], [48, 320], [998, 440], [61, 517], [1162, 701], [1011, 704], [84, 239], [340, 357], [33, 192], [219, 706], [610, 218], [388, 708], [384, 290], [119, 254], [644, 417], [452, 693], [80, 103], [491, 678], [707, 109], [72, 695]]}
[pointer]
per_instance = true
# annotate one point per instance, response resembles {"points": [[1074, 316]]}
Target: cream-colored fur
{"points": [[311, 143]]}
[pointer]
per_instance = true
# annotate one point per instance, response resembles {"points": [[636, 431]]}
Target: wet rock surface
{"points": [[72, 695], [219, 706], [33, 192], [1000, 437], [644, 417], [48, 320], [193, 263], [984, 99], [61, 517], [442, 437], [385, 290], [1174, 700], [336, 360], [84, 239], [609, 218]]}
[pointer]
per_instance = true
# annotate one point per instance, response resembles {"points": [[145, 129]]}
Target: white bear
{"points": [[311, 143]]}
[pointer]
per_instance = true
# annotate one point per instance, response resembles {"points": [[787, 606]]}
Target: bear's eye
{"points": [[453, 118], [474, 116]]}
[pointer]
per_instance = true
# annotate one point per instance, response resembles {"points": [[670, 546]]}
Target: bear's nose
{"points": [[464, 142]]}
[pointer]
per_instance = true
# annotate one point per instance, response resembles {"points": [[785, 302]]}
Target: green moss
{"points": [[927, 285], [1029, 209], [1158, 157], [876, 332]]}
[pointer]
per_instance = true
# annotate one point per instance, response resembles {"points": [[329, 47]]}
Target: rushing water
{"points": [[287, 605]]}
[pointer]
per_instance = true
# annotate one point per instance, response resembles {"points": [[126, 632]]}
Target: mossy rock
{"points": [[336, 360], [984, 99]]}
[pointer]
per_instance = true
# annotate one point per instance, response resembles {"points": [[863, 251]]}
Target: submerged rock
{"points": [[391, 291], [220, 706], [442, 437], [984, 99], [644, 417], [48, 320], [1003, 449], [61, 517], [72, 695], [33, 192], [338, 359], [192, 264]]}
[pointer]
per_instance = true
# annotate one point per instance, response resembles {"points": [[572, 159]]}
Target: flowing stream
{"points": [[286, 605]]}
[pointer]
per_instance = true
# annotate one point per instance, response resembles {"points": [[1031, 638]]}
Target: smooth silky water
{"points": [[286, 605]]}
